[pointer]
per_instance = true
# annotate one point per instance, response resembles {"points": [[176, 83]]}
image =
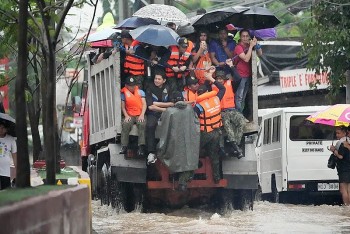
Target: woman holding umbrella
{"points": [[341, 151], [8, 152]]}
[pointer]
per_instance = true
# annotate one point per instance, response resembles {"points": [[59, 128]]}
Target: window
{"points": [[267, 131], [276, 130], [301, 129]]}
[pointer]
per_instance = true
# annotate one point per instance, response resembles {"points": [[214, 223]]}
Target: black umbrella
{"points": [[255, 18], [135, 22], [157, 35], [9, 122], [217, 19]]}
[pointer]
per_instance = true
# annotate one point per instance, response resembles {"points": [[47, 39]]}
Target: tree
{"points": [[327, 41]]}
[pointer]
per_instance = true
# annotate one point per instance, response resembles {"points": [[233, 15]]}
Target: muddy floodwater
{"points": [[265, 218]]}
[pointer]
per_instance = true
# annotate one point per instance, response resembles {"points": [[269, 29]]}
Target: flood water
{"points": [[265, 218]]}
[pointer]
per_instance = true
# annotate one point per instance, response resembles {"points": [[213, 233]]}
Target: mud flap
{"points": [[127, 170]]}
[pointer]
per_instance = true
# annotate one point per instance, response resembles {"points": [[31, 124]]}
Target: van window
{"points": [[267, 131], [301, 129], [276, 129]]}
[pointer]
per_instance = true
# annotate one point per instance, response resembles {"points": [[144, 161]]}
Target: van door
{"points": [[307, 152]]}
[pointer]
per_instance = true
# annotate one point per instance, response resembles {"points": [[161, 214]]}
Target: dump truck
{"points": [[127, 182]]}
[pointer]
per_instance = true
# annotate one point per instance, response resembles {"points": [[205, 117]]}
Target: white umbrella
{"points": [[162, 13], [9, 122], [104, 34]]}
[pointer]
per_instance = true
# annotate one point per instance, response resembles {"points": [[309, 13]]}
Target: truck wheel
{"points": [[275, 196], [226, 201], [139, 195], [243, 199], [117, 194], [258, 194], [105, 185]]}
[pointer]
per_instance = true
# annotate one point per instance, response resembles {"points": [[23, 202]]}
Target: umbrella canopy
{"points": [[135, 22], [217, 18], [9, 122], [157, 35], [103, 34], [254, 18], [336, 115], [162, 13]]}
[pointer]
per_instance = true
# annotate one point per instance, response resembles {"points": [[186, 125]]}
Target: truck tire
{"points": [[275, 195], [227, 199], [243, 199], [105, 185], [117, 194]]}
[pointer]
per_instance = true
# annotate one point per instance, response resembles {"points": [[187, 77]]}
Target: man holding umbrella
{"points": [[8, 153]]}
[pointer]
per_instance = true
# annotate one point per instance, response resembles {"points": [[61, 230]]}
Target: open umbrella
{"points": [[157, 35], [9, 122], [162, 13], [104, 34], [217, 18], [135, 22], [254, 18], [336, 115]]}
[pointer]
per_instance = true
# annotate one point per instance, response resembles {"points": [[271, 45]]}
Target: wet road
{"points": [[266, 218]]}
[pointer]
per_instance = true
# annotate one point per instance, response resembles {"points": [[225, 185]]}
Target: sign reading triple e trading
{"points": [[301, 80]]}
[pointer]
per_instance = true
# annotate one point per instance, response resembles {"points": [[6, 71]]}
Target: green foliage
{"points": [[327, 41]]}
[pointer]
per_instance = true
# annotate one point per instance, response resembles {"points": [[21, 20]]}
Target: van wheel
{"points": [[244, 199], [275, 196]]}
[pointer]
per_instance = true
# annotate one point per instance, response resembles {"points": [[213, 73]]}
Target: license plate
{"points": [[327, 186]]}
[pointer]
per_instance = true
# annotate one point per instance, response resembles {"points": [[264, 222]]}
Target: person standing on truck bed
{"points": [[157, 99], [243, 71], [134, 65], [343, 163], [232, 119], [208, 109], [176, 62], [133, 108]]}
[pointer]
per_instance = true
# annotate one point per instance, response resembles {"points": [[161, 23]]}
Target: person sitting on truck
{"points": [[190, 91], [133, 108], [341, 151], [176, 62], [208, 110], [157, 99], [134, 65], [232, 119], [179, 154], [243, 69]]}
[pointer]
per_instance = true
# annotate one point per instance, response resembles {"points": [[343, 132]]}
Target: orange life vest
{"points": [[132, 65], [203, 62], [189, 95], [228, 101], [133, 101], [210, 118], [176, 61]]}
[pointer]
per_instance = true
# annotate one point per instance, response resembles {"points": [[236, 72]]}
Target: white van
{"points": [[292, 153]]}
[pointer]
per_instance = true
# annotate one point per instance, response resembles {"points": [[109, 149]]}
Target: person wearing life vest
{"points": [[134, 65], [201, 57], [209, 113], [190, 91], [178, 60], [233, 120], [133, 108]]}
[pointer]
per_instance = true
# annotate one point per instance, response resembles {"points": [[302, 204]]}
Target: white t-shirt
{"points": [[8, 147]]}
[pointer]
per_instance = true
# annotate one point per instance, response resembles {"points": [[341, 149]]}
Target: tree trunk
{"points": [[347, 75], [23, 166], [34, 124], [51, 150]]}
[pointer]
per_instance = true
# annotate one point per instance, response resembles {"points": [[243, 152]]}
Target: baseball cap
{"points": [[130, 80], [190, 80], [220, 74], [202, 89], [183, 42], [125, 34]]}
